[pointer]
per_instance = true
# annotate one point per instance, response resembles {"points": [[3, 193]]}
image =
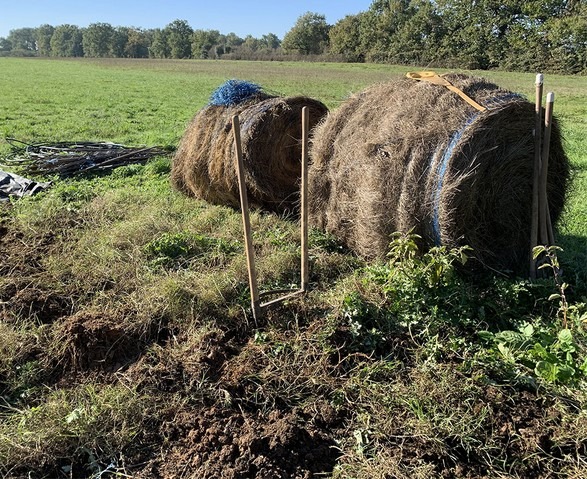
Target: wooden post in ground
{"points": [[255, 302], [304, 202], [546, 233], [536, 176]]}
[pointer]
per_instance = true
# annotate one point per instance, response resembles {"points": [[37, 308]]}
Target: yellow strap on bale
{"points": [[432, 77]]}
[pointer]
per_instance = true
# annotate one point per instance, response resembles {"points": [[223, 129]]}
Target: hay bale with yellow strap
{"points": [[416, 156], [204, 163]]}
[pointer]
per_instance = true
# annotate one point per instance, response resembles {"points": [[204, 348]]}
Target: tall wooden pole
{"points": [[255, 302], [536, 176], [304, 201], [545, 224]]}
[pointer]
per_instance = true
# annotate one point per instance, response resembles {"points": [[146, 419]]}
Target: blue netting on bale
{"points": [[233, 92]]}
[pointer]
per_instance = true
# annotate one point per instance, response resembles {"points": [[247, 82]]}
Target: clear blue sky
{"points": [[256, 18]]}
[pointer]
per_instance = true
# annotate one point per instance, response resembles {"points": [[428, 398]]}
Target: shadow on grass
{"points": [[573, 260]]}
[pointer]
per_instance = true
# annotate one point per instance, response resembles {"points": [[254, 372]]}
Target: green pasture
{"points": [[150, 101]]}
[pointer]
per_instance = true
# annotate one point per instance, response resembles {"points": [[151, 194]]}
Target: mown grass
{"points": [[124, 306]]}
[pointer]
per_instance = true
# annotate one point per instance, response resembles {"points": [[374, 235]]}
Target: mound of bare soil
{"points": [[90, 340], [21, 265], [231, 444]]}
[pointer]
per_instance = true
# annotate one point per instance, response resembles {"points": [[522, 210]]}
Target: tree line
{"points": [[100, 40], [527, 35]]}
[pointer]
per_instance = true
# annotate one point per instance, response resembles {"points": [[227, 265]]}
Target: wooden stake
{"points": [[304, 201], [255, 304], [543, 198], [536, 176]]}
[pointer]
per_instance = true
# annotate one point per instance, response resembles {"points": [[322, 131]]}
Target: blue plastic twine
{"points": [[233, 92]]}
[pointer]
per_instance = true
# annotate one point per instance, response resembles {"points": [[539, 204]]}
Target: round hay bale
{"points": [[204, 165], [411, 156]]}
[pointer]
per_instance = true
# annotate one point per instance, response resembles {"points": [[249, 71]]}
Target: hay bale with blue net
{"points": [[204, 163], [412, 156]]}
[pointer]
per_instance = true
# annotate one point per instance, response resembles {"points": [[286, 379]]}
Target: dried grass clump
{"points": [[204, 164], [413, 156]]}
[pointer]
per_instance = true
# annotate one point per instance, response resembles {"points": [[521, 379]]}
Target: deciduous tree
{"points": [[159, 47], [179, 37], [97, 40], [203, 41], [67, 41], [5, 45], [137, 44], [270, 41], [345, 38], [43, 35], [308, 36], [23, 39]]}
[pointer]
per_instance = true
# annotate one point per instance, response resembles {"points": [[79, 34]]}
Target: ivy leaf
{"points": [[539, 351], [511, 338], [527, 330]]}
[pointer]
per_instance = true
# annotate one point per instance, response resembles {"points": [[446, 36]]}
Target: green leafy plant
{"points": [[552, 355], [551, 350], [171, 245], [406, 264], [363, 322], [571, 313], [419, 286], [419, 291], [324, 240]]}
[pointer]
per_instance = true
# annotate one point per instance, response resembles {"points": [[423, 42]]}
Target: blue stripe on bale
{"points": [[492, 103], [233, 92]]}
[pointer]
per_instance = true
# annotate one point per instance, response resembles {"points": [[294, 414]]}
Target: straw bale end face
{"points": [[414, 157], [271, 132]]}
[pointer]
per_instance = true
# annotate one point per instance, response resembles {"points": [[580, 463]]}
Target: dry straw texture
{"points": [[413, 156], [271, 131]]}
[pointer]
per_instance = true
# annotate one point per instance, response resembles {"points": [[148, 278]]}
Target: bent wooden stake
{"points": [[256, 305]]}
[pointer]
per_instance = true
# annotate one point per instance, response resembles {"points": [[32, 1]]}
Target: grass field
{"points": [[128, 348]]}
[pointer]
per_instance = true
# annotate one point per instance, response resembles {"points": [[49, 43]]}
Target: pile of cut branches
{"points": [[71, 158]]}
